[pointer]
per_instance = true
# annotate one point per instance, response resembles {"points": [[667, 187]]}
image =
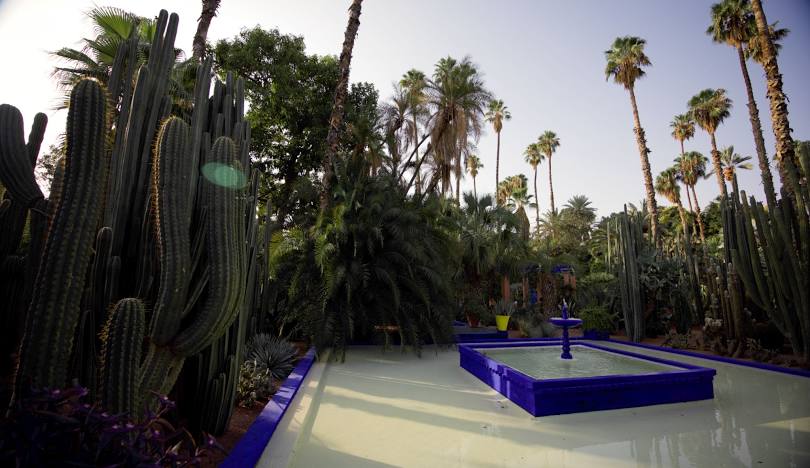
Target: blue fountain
{"points": [[565, 323]]}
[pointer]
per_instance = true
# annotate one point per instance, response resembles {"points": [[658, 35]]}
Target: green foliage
{"points": [[255, 384], [504, 307], [597, 317]]}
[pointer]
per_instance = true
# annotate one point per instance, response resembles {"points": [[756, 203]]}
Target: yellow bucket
{"points": [[502, 322]]}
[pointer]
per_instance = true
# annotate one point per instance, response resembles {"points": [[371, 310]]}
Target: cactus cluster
{"points": [[630, 243], [147, 241]]}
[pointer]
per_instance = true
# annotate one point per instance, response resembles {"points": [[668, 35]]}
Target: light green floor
{"points": [[392, 409]]}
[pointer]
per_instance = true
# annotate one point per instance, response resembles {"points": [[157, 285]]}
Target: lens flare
{"points": [[224, 175]]}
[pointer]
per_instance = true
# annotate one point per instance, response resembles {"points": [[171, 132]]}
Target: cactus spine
{"points": [[121, 353], [55, 308]]}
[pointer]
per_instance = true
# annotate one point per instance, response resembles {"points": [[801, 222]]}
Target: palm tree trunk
{"points": [[785, 152], [718, 167], [475, 190], [643, 151], [209, 10], [536, 200], [699, 218], [458, 179], [551, 186], [756, 127], [497, 168], [682, 214], [688, 197], [342, 89]]}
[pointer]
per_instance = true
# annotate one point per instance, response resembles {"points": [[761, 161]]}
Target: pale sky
{"points": [[543, 58]]}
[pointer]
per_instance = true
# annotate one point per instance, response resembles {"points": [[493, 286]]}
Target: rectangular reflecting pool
{"points": [[543, 362], [598, 378]]}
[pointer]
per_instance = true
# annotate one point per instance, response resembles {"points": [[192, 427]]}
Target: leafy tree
{"points": [[290, 95], [414, 84], [691, 167], [625, 62], [666, 184]]}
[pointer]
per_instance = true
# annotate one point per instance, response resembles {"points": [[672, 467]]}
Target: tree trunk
{"points": [[497, 168], [682, 214], [342, 89], [718, 167], [209, 10], [475, 190], [699, 218], [785, 152], [643, 151], [551, 186], [536, 201], [756, 127]]}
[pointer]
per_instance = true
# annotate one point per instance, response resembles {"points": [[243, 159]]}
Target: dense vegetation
{"points": [[178, 227]]}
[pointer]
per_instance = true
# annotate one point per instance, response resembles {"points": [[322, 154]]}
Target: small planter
{"points": [[502, 322], [473, 320], [596, 335]]}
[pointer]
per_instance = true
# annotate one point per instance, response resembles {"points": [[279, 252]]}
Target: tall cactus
{"points": [[55, 308], [121, 355], [630, 239]]}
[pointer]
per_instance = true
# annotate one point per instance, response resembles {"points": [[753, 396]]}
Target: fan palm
{"points": [[625, 62], [767, 53], [730, 162], [473, 163], [666, 184], [691, 168], [733, 24], [394, 115], [497, 112], [548, 143], [534, 157], [683, 128], [710, 108]]}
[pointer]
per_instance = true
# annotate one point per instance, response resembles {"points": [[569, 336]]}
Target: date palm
{"points": [[341, 91], [534, 157], [710, 108], [548, 143], [457, 100], [666, 184], [473, 163], [785, 151], [625, 62], [731, 162], [691, 168], [733, 24], [497, 112], [683, 128], [209, 10], [414, 83]]}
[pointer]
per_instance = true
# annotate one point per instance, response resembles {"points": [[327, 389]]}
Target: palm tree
{"points": [[625, 60], [394, 115], [497, 112], [341, 90], [730, 162], [756, 45], [579, 216], [209, 10], [457, 99], [666, 184], [683, 128], [534, 157], [473, 166], [733, 24], [691, 168], [785, 152], [548, 143], [710, 108], [414, 82]]}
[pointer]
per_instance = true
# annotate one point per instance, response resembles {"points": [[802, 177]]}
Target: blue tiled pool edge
{"points": [[575, 395], [250, 447]]}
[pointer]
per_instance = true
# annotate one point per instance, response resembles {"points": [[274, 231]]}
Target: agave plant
{"points": [[272, 354]]}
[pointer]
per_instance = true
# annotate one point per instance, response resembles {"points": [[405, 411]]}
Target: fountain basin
{"points": [[565, 322], [535, 378]]}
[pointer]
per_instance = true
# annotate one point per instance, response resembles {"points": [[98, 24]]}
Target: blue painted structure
{"points": [[545, 397], [250, 447]]}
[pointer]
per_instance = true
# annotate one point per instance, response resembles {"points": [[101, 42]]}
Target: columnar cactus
{"points": [[630, 239], [121, 355], [55, 307]]}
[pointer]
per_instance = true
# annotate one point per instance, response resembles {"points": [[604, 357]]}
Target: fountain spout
{"points": [[565, 323]]}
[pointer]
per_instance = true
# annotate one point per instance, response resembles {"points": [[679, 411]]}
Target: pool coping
{"points": [[547, 397], [248, 451]]}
